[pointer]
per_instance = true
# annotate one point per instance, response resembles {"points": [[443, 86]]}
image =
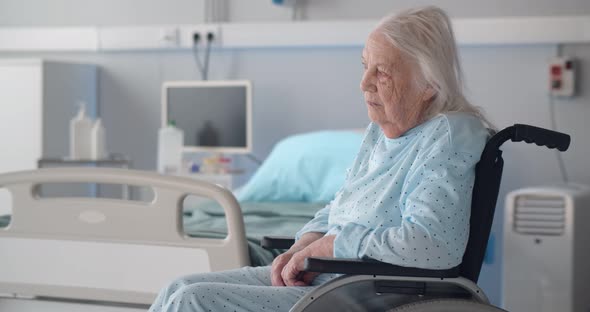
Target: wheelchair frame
{"points": [[381, 286]]}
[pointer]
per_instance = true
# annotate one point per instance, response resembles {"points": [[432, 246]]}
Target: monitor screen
{"points": [[214, 115]]}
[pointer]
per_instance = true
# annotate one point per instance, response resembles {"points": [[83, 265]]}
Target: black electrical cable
{"points": [[203, 68], [210, 38], [196, 39], [562, 169]]}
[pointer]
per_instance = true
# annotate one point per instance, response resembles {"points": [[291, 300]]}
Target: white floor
{"points": [[26, 305]]}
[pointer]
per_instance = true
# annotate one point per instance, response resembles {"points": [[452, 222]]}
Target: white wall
{"points": [[305, 89], [134, 12]]}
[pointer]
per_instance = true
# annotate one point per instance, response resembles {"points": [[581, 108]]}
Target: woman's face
{"points": [[389, 85]]}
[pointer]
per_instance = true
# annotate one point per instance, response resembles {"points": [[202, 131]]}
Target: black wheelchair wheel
{"points": [[446, 305]]}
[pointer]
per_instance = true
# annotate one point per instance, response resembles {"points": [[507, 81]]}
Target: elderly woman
{"points": [[406, 198]]}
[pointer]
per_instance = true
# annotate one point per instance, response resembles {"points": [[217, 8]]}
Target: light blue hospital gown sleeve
{"points": [[434, 203], [318, 224]]}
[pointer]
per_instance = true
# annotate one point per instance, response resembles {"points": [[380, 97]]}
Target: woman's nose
{"points": [[367, 84]]}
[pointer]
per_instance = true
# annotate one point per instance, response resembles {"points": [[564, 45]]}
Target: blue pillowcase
{"points": [[308, 167]]}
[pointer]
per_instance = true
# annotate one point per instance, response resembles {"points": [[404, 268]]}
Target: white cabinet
{"points": [[37, 100]]}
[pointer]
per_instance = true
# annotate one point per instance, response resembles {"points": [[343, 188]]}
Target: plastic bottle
{"points": [[80, 131], [97, 140], [170, 144]]}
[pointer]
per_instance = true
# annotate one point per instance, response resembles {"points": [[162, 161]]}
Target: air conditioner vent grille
{"points": [[539, 215]]}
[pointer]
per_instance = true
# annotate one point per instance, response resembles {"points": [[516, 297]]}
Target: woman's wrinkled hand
{"points": [[292, 272], [277, 267]]}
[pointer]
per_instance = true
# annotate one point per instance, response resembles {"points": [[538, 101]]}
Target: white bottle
{"points": [[80, 129], [170, 144], [97, 141]]}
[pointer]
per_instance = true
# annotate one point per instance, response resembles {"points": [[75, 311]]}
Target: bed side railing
{"points": [[101, 221]]}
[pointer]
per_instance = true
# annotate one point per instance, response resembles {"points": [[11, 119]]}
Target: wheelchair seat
{"points": [[370, 285]]}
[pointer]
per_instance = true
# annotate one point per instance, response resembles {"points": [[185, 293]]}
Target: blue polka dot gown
{"points": [[245, 289], [407, 200]]}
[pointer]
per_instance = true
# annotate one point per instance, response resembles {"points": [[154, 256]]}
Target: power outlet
{"points": [[188, 33], [169, 37]]}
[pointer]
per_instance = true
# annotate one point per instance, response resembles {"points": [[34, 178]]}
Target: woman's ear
{"points": [[429, 94]]}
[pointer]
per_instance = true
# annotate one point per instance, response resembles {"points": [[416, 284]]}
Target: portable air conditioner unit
{"points": [[546, 253]]}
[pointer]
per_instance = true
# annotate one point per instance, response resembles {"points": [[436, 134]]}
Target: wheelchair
{"points": [[370, 285]]}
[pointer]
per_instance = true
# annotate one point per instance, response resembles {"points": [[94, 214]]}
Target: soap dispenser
{"points": [[80, 134], [97, 141]]}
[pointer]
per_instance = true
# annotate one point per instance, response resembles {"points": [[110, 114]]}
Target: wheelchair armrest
{"points": [[372, 267], [277, 242]]}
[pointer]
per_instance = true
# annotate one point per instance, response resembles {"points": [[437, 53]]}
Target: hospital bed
{"points": [[108, 254], [123, 251]]}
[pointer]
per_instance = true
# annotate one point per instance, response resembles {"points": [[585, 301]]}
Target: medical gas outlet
{"points": [[562, 77]]}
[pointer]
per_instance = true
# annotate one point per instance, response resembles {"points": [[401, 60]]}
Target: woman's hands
{"points": [[281, 261], [292, 274], [287, 267], [277, 267]]}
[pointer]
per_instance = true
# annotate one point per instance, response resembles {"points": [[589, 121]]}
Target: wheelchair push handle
{"points": [[541, 137]]}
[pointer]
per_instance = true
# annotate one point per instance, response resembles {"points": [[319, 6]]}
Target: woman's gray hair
{"points": [[425, 34]]}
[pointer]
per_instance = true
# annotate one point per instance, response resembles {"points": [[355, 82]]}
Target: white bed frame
{"points": [[108, 250]]}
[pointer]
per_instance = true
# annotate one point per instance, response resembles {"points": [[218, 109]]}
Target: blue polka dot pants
{"points": [[245, 289]]}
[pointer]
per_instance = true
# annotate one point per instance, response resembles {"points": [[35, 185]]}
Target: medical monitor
{"points": [[215, 116]]}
